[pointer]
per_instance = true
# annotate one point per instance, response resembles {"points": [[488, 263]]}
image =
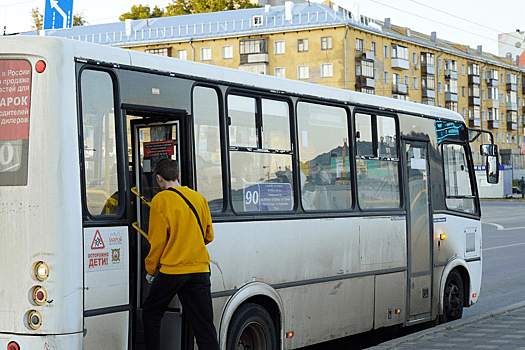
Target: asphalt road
{"points": [[503, 280]]}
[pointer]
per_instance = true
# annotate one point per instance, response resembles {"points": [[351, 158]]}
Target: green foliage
{"points": [[142, 12], [38, 19]]}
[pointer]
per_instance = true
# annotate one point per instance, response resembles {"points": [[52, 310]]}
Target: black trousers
{"points": [[195, 296]]}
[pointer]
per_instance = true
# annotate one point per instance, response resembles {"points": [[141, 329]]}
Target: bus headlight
{"points": [[39, 295], [40, 271], [34, 319]]}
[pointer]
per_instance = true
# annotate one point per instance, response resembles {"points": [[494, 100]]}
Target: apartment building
{"points": [[328, 45]]}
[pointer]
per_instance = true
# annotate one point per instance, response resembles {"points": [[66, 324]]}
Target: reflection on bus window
{"points": [[457, 179], [260, 155], [100, 156], [208, 146], [324, 157], [377, 162]]}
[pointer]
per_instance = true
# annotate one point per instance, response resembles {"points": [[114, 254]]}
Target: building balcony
{"points": [[474, 101], [451, 74], [365, 56], [364, 82], [428, 69], [512, 87], [491, 103], [399, 89], [451, 97], [512, 106], [474, 80], [492, 82], [254, 58], [474, 122], [493, 124], [400, 63], [428, 93], [512, 126]]}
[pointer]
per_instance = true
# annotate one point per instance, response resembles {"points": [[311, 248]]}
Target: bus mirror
{"points": [[492, 163]]}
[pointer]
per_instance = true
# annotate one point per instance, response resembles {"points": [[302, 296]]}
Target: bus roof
{"points": [[38, 45]]}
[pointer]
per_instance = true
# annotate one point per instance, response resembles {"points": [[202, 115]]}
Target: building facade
{"points": [[324, 44]]}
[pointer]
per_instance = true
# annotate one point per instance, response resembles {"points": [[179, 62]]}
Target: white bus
{"points": [[334, 212]]}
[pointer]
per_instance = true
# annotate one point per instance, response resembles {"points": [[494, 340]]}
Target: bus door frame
{"points": [[184, 135], [419, 280]]}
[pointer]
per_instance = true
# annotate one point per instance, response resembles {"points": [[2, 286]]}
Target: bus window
{"points": [[14, 122], [458, 179], [100, 156], [324, 157], [260, 155], [377, 162], [208, 146]]}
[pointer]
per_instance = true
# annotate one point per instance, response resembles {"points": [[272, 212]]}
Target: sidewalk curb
{"points": [[447, 326]]}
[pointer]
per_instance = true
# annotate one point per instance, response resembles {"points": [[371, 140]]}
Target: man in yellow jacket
{"points": [[179, 228]]}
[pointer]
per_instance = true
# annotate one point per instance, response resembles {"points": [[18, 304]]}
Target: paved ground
{"points": [[499, 329]]}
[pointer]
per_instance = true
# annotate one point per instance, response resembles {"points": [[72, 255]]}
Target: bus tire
{"points": [[251, 328], [453, 298]]}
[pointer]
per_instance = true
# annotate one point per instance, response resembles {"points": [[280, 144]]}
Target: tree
{"points": [[142, 12], [38, 19], [185, 7]]}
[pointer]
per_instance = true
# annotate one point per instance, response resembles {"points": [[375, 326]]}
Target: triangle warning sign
{"points": [[97, 243]]}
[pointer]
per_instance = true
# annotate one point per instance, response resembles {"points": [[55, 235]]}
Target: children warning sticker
{"points": [[97, 243], [105, 248]]}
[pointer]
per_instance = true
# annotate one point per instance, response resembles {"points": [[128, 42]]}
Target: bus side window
{"points": [[100, 150], [324, 157], [208, 146], [260, 154], [458, 179], [377, 162]]}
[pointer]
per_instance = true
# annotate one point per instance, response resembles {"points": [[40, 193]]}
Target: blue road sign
{"points": [[58, 14]]}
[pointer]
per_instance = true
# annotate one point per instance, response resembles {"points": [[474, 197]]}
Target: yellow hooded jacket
{"points": [[175, 236]]}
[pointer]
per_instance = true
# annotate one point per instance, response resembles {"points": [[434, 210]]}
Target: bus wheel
{"points": [[453, 298], [251, 328]]}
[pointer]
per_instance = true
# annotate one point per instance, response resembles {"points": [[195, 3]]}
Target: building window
{"points": [[162, 51], [303, 72], [326, 43], [205, 53], [414, 57], [374, 48], [386, 77], [253, 46], [462, 69], [359, 45], [440, 87], [279, 72], [385, 51], [365, 68], [257, 20], [302, 45], [327, 70], [227, 52], [182, 54], [399, 51], [279, 47], [462, 91], [416, 83]]}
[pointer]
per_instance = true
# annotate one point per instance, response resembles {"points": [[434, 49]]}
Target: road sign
{"points": [[58, 14]]}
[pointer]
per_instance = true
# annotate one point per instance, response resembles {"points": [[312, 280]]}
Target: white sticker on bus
{"points": [[104, 248]]}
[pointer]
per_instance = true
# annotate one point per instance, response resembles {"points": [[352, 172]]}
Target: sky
{"points": [[462, 21]]}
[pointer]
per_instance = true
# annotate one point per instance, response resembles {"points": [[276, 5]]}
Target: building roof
{"points": [[201, 26]]}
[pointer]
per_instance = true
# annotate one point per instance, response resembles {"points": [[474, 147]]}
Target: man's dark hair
{"points": [[167, 168]]}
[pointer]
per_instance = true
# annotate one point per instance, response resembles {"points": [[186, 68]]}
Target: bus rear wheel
{"points": [[453, 298], [251, 328]]}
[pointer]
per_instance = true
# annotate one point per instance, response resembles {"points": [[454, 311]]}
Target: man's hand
{"points": [[149, 278]]}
